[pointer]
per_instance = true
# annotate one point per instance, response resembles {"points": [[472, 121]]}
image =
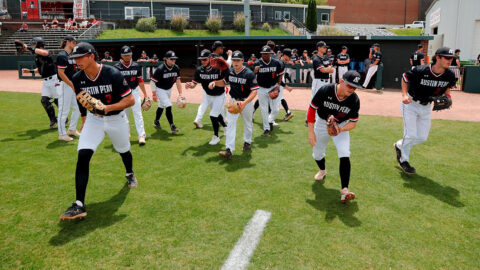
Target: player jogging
{"points": [[417, 58]]}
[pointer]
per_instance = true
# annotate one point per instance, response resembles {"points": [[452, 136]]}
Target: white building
{"points": [[455, 24]]}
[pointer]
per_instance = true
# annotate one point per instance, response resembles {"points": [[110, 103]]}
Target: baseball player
{"points": [[132, 72], [66, 67], [269, 75], [455, 67], [46, 69], [343, 59], [107, 57], [215, 98], [331, 57], [417, 58], [341, 102], [376, 58], [285, 59], [106, 84], [243, 88], [419, 85], [304, 59], [322, 67], [164, 77]]}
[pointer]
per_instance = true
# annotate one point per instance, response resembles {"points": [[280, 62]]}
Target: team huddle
{"points": [[108, 93]]}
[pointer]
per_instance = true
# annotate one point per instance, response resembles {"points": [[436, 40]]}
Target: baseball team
{"points": [[108, 93]]}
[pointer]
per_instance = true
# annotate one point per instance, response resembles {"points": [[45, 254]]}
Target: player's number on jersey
{"points": [[109, 98]]}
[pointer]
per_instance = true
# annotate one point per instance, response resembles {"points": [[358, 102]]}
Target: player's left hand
{"points": [[229, 52], [312, 139], [189, 85], [211, 85]]}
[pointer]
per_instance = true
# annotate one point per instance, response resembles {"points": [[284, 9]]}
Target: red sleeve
{"points": [[311, 114]]}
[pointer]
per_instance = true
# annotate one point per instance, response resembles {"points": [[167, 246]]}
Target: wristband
{"points": [[448, 95], [31, 49]]}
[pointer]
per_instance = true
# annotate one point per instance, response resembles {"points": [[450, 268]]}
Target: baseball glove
{"points": [[234, 107], [219, 63], [92, 104], [19, 46], [332, 126], [181, 102], [441, 103], [146, 104], [274, 92]]}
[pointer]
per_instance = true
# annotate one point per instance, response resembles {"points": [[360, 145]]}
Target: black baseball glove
{"points": [[441, 102], [19, 46]]}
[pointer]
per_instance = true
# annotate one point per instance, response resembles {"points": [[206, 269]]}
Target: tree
{"points": [[312, 16]]}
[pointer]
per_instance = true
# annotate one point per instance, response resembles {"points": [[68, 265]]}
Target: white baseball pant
{"points": [[341, 70], [416, 126], [49, 88], [265, 101], [370, 73], [210, 101], [137, 113], [66, 100], [96, 127], [163, 97], [341, 141], [292, 72], [333, 75], [247, 115]]}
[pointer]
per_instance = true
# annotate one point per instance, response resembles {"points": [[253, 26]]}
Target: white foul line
{"points": [[242, 252]]}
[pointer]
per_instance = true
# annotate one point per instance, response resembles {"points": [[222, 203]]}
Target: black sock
{"points": [[159, 114], [321, 164], [168, 113], [215, 125], [285, 105], [81, 173], [345, 171], [127, 161], [256, 105], [220, 120]]}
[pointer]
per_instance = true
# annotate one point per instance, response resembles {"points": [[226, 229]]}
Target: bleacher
{"points": [[52, 37]]}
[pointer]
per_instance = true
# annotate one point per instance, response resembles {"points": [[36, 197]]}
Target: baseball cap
{"points": [[329, 50], [170, 55], [82, 49], [126, 50], [321, 44], [144, 52], [154, 56], [69, 38], [107, 52], [376, 45], [253, 55], [287, 52], [294, 50], [266, 49], [420, 46], [204, 54], [445, 51], [344, 48], [237, 55], [305, 51], [352, 78], [217, 44]]}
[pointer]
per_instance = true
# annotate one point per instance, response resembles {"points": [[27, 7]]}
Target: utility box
{"points": [[471, 79]]}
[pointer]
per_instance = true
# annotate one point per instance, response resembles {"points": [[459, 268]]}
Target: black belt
{"points": [[239, 99], [422, 102], [323, 80], [48, 78]]}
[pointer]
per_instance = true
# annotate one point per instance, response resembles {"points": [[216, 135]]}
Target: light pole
{"points": [[405, 14]]}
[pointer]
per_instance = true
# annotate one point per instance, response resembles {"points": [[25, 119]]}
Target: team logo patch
{"points": [[356, 80], [125, 82]]}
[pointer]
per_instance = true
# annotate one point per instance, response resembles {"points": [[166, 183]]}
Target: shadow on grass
{"points": [[164, 135], [202, 149], [29, 134], [100, 215], [427, 186], [59, 143], [263, 142], [328, 200], [236, 163]]}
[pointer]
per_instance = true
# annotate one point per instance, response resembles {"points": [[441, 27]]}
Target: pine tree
{"points": [[312, 16]]}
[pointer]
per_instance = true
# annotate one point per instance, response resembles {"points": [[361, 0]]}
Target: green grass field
{"points": [[160, 33], [406, 31], [191, 206]]}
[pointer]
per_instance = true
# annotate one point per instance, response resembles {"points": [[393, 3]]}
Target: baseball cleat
{"points": [[65, 138], [141, 140], [215, 140], [347, 196], [156, 124], [131, 180], [174, 129], [406, 168], [53, 124], [320, 175], [266, 133], [275, 124], [398, 151], [287, 117], [198, 124], [226, 153], [73, 133], [73, 212], [246, 147]]}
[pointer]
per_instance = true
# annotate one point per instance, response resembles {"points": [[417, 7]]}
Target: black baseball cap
{"points": [[321, 44], [445, 51], [217, 44], [170, 55], [420, 46], [266, 49], [344, 48], [376, 45], [204, 54], [253, 55], [352, 78], [237, 55], [126, 50], [107, 52], [82, 49], [69, 38], [287, 52]]}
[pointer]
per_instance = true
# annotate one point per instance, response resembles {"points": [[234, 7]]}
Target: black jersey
{"points": [[342, 57], [267, 75], [454, 62], [327, 102], [377, 56], [331, 57], [67, 64], [132, 73], [416, 58], [423, 83], [205, 75], [164, 76], [108, 58], [318, 63], [241, 83], [45, 65], [478, 58], [108, 86], [304, 59]]}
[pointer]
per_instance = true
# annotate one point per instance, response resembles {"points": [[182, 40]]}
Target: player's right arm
{"points": [[195, 81], [62, 63], [220, 83], [121, 86], [311, 112], [406, 99]]}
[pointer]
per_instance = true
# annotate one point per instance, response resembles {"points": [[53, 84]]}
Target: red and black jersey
{"points": [[165, 76], [108, 86], [132, 73], [205, 75], [318, 63], [45, 65], [241, 83], [67, 64], [327, 102], [416, 58], [377, 56], [342, 57], [423, 83], [267, 75]]}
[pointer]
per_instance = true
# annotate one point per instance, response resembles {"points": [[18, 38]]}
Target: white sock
{"points": [[79, 203]]}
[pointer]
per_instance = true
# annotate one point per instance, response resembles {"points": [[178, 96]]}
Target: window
{"points": [[136, 12], [435, 30], [214, 13], [278, 15], [286, 15], [325, 17], [171, 11]]}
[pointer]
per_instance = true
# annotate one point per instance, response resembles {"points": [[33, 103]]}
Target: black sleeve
{"points": [[196, 76], [140, 72], [353, 116], [317, 63], [317, 99], [75, 82], [62, 61], [120, 85], [252, 81], [156, 75], [411, 75], [226, 79]]}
